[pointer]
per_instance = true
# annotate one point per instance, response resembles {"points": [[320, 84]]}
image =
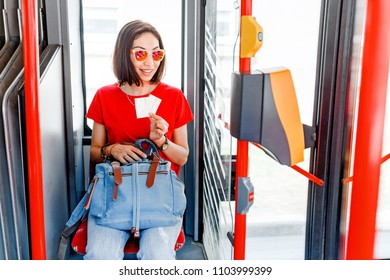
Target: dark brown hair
{"points": [[123, 67]]}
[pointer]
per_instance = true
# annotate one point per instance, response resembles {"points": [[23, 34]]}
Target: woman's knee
{"points": [[105, 243], [159, 243]]}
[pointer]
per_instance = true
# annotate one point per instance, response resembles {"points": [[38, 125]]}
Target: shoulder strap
{"points": [[117, 178], [75, 219], [65, 236]]}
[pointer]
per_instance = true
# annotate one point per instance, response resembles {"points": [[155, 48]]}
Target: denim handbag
{"points": [[137, 195]]}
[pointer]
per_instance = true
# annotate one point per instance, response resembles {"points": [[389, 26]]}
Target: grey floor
{"points": [[191, 250]]}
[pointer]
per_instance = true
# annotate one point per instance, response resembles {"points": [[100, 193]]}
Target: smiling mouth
{"points": [[146, 71]]}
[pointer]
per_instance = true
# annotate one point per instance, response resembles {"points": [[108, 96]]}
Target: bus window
{"points": [[102, 20], [276, 222]]}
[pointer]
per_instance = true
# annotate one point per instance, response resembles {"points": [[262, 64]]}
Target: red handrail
{"points": [[34, 154], [350, 179], [369, 137], [303, 172], [242, 160]]}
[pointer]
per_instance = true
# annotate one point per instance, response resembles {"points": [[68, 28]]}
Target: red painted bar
{"points": [[369, 138], [242, 160], [308, 175], [350, 179], [34, 152]]}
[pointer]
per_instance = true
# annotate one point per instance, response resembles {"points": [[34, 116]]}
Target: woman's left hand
{"points": [[158, 127]]}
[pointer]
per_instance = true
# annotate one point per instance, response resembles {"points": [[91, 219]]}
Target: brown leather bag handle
{"points": [[152, 172], [117, 178]]}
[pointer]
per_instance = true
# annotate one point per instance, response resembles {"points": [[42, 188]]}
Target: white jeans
{"points": [[106, 243]]}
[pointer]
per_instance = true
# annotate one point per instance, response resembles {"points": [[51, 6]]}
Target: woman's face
{"points": [[148, 67]]}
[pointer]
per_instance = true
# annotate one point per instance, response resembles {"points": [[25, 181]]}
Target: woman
{"points": [[138, 106]]}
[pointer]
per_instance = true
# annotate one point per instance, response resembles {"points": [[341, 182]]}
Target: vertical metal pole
{"points": [[242, 160], [369, 138], [34, 151]]}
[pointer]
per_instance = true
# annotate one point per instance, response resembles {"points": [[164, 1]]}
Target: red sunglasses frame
{"points": [[147, 54]]}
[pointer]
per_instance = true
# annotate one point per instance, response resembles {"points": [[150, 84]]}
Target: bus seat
{"points": [[79, 241]]}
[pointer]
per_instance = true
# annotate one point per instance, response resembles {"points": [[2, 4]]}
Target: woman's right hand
{"points": [[126, 153]]}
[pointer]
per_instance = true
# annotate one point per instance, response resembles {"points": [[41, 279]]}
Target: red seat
{"points": [[79, 241]]}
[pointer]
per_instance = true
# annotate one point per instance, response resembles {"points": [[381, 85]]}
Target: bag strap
{"points": [[152, 172], [136, 202], [117, 178], [64, 241], [75, 220], [89, 196], [152, 153]]}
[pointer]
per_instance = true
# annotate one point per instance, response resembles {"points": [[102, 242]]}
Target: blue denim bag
{"points": [[135, 196], [138, 195]]}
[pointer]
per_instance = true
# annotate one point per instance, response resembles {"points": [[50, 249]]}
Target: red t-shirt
{"points": [[112, 108]]}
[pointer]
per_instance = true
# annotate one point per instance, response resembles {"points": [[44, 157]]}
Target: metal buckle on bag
{"points": [[135, 231]]}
